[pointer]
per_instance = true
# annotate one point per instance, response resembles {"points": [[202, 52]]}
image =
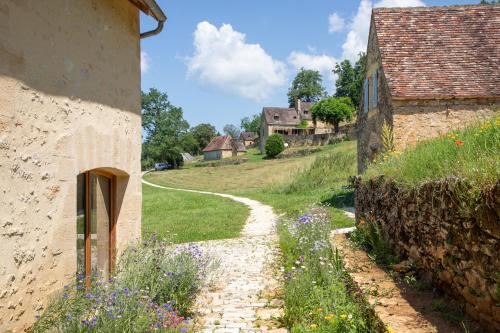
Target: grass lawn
{"points": [[188, 217], [289, 185]]}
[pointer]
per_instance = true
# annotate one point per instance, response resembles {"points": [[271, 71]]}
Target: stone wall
{"points": [[451, 236], [69, 103]]}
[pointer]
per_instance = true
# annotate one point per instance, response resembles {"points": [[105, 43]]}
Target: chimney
{"points": [[297, 104]]}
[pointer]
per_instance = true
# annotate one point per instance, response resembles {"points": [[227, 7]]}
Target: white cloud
{"points": [[335, 23], [223, 59], [145, 62], [322, 63], [357, 37]]}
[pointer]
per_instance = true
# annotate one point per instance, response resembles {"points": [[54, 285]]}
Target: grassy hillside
{"points": [[188, 217], [289, 185], [472, 154]]}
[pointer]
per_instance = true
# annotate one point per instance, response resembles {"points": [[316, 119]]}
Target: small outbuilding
{"points": [[248, 138], [429, 70], [222, 147]]}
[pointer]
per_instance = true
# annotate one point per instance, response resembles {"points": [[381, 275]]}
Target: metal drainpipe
{"points": [[156, 31]]}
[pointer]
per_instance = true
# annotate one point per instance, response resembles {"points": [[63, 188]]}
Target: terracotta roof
{"points": [[248, 136], [224, 142], [219, 143], [151, 8], [285, 116], [440, 52]]}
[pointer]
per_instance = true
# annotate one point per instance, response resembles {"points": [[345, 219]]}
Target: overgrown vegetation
{"points": [[319, 295], [472, 154], [154, 287], [375, 242]]}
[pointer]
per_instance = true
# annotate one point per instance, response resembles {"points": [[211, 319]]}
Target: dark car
{"points": [[161, 166]]}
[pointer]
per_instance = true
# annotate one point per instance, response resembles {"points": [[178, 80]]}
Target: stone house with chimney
{"points": [[296, 121], [249, 139], [222, 147], [429, 70], [70, 144]]}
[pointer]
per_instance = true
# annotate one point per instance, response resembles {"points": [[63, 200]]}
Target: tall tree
{"points": [[333, 110], [490, 2], [307, 86], [232, 130], [251, 124], [164, 127], [203, 133], [350, 79]]}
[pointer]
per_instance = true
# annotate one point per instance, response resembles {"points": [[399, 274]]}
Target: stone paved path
{"points": [[242, 295]]}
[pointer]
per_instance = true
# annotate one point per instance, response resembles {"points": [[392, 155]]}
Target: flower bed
{"points": [[155, 285], [319, 295]]}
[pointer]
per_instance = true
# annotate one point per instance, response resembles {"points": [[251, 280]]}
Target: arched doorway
{"points": [[96, 195]]}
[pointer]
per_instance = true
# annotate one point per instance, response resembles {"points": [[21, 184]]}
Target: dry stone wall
{"points": [[451, 235]]}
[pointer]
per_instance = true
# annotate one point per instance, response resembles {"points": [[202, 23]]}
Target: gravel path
{"points": [[242, 296]]}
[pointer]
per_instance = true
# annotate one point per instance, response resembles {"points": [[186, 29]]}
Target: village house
{"points": [[70, 144], [295, 121], [429, 70], [223, 146], [248, 138]]}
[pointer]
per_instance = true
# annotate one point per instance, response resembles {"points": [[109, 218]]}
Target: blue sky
{"points": [[221, 60]]}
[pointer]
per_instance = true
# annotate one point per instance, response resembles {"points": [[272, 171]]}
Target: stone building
{"points": [[295, 121], [249, 139], [223, 146], [429, 70], [70, 144]]}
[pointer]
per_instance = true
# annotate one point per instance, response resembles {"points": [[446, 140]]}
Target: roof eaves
{"points": [[151, 8]]}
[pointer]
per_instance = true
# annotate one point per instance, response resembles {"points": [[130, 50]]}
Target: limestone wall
{"points": [[69, 102], [414, 121], [346, 132], [453, 238]]}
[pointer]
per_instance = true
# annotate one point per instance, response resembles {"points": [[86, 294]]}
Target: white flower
{"points": [[349, 316]]}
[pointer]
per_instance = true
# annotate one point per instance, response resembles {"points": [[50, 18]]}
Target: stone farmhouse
{"points": [[295, 121], [70, 144], [249, 138], [223, 146], [429, 70]]}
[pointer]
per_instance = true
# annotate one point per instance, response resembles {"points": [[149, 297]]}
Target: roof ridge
{"points": [[426, 8]]}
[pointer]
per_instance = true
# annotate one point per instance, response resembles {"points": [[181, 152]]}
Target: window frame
{"points": [[112, 223]]}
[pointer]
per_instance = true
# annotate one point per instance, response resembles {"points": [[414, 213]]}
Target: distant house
{"points": [[248, 138], [429, 70], [290, 121], [222, 147]]}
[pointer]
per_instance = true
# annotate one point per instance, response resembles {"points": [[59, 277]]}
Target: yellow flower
{"points": [[389, 329], [313, 326], [320, 310], [343, 316], [330, 316]]}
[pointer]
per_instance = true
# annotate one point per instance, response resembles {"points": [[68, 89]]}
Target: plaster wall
{"points": [[69, 102]]}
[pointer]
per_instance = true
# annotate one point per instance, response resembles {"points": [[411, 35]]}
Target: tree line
{"points": [[166, 134]]}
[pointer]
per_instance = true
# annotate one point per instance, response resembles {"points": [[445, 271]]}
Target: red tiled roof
{"points": [[440, 52], [224, 142], [219, 143]]}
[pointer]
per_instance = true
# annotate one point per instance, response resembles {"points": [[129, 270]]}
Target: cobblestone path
{"points": [[241, 297]]}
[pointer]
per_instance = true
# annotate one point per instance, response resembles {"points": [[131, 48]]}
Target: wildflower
{"points": [[459, 143], [343, 316], [349, 316], [319, 309], [313, 326], [389, 329]]}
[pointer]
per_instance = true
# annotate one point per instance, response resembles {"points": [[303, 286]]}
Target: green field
{"points": [[186, 217], [290, 185]]}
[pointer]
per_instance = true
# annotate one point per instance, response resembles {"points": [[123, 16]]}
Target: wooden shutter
{"points": [[375, 88], [366, 92]]}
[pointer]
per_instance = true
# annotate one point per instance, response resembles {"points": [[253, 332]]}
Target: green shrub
{"points": [[274, 145], [472, 154], [154, 287]]}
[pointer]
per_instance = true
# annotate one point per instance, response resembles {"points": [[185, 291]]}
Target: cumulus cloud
{"points": [[223, 59], [322, 63], [357, 37], [145, 62], [335, 23]]}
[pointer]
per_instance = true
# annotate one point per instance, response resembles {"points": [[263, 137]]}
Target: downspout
{"points": [[156, 31]]}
